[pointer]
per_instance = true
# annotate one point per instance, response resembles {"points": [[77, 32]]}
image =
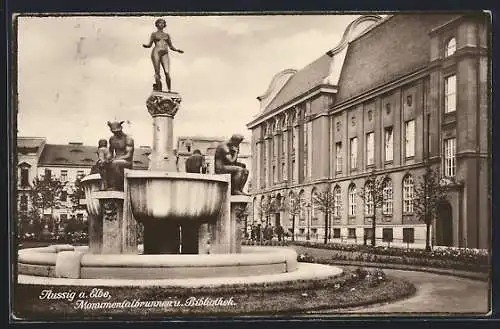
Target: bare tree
{"points": [[429, 194], [266, 208], [294, 207], [373, 196], [324, 201]]}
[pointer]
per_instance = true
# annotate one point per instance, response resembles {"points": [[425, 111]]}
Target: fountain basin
{"points": [[78, 263], [91, 183], [159, 195]]}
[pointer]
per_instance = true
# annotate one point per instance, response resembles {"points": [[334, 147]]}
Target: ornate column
{"points": [[276, 156], [163, 106], [285, 153], [269, 159], [258, 170], [296, 144]]}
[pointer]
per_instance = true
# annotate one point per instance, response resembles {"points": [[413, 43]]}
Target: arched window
{"points": [[387, 197], [408, 194], [262, 205], [255, 210], [369, 206], [314, 206], [451, 47], [352, 200], [337, 201], [302, 214]]}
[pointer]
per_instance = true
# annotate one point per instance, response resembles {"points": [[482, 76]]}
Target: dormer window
{"points": [[451, 47]]}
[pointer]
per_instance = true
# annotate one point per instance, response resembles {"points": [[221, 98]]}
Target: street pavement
{"points": [[436, 295]]}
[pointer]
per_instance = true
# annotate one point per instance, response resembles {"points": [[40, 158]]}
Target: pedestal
{"points": [[225, 233], [220, 230], [163, 106], [238, 205], [204, 239], [108, 228]]}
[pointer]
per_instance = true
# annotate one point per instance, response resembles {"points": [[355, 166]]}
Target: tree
{"points": [[324, 201], [294, 207], [266, 208], [429, 194], [373, 196], [242, 213], [77, 195], [44, 194]]}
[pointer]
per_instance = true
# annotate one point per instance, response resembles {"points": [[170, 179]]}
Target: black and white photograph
{"points": [[295, 165]]}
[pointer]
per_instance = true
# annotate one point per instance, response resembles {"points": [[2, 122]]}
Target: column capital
{"points": [[163, 103]]}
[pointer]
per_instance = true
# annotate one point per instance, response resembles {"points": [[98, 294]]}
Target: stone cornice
{"points": [[381, 89], [299, 99]]}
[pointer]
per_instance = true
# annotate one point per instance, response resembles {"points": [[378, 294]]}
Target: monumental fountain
{"points": [[192, 231]]}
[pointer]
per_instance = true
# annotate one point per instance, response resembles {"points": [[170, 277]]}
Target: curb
{"points": [[443, 271]]}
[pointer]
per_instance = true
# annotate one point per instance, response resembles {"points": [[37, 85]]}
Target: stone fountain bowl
{"points": [[91, 183], [159, 195]]}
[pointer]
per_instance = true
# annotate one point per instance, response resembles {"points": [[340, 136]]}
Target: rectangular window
{"points": [[293, 171], [351, 233], [338, 157], [389, 144], [64, 196], [408, 235], [25, 177], [79, 174], [283, 176], [370, 145], [354, 152], [408, 194], [387, 234], [450, 95], [274, 174], [23, 203], [64, 175], [336, 233], [367, 232], [410, 138], [48, 173], [450, 151]]}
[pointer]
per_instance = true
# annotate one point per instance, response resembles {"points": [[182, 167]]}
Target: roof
{"points": [[83, 156], [30, 142], [395, 47], [305, 79]]}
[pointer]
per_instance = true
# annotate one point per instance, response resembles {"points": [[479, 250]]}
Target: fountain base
{"points": [[77, 263]]}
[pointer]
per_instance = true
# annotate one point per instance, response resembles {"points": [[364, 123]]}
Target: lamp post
{"points": [[308, 206]]}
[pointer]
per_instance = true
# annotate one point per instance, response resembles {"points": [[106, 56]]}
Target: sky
{"points": [[77, 72]]}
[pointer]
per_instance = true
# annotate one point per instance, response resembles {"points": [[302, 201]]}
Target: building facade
{"points": [[66, 163], [395, 94]]}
